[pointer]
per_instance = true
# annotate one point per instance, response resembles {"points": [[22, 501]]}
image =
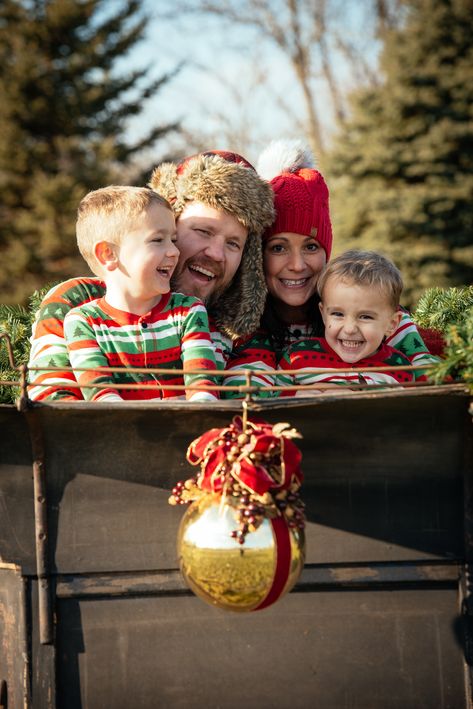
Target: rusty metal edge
{"points": [[457, 390], [46, 631]]}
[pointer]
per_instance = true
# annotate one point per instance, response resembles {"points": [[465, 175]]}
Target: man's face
{"points": [[211, 244]]}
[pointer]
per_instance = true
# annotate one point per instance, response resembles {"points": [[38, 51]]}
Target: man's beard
{"points": [[209, 299]]}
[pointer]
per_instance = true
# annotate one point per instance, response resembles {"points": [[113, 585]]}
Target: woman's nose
{"points": [[297, 262]]}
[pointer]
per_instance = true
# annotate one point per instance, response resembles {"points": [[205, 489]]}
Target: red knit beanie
{"points": [[301, 196]]}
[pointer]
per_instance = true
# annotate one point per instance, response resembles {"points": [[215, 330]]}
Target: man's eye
{"points": [[158, 240], [204, 232], [234, 245]]}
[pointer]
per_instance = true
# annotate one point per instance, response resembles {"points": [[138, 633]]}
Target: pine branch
{"points": [[438, 308], [450, 311], [16, 321]]}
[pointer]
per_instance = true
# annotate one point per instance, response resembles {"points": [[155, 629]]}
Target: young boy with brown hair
{"points": [[127, 236], [360, 292]]}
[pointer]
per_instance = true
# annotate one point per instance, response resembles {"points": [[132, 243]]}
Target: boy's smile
{"points": [[146, 258], [357, 319]]}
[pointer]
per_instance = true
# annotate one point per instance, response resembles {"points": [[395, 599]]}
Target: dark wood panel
{"points": [[368, 650], [14, 658], [383, 480]]}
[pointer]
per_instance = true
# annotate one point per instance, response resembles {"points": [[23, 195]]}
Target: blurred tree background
{"points": [[381, 90], [401, 169], [63, 115]]}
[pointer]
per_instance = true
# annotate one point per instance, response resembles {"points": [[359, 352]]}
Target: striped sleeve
{"points": [[408, 340], [198, 352], [48, 347], [84, 351], [308, 356]]}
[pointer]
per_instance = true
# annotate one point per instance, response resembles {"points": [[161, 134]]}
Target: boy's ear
{"points": [[394, 324], [106, 254]]}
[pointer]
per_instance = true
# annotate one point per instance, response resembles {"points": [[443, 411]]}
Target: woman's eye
{"points": [[312, 247], [276, 249], [158, 240]]}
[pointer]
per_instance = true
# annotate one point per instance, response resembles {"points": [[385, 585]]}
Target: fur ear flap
{"points": [[239, 310]]}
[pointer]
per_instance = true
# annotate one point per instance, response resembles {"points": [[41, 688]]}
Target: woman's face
{"points": [[292, 264]]}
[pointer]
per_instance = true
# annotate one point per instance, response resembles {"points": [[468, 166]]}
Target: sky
{"points": [[237, 90]]}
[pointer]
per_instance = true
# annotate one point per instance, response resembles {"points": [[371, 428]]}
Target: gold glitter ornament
{"points": [[241, 543], [230, 575]]}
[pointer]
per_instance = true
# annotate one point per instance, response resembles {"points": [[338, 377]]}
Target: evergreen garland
{"points": [[450, 311], [16, 321]]}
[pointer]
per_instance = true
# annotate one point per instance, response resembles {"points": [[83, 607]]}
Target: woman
{"points": [[295, 249]]}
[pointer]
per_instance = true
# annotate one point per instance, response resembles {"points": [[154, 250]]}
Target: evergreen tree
{"points": [[402, 170], [63, 113]]}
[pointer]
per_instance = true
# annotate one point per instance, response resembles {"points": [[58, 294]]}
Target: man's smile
{"points": [[195, 268]]}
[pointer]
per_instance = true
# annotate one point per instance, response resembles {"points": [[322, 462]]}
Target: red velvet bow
{"points": [[260, 459]]}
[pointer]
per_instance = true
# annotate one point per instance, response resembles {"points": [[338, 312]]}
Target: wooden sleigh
{"points": [[95, 614]]}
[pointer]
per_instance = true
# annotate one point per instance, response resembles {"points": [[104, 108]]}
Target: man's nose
{"points": [[215, 249]]}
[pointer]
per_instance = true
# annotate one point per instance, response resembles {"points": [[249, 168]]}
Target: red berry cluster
{"points": [[185, 491], [252, 510]]}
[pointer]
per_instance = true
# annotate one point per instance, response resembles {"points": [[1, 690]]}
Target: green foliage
{"points": [[16, 322], [457, 362], [438, 308], [64, 111], [401, 173], [450, 311]]}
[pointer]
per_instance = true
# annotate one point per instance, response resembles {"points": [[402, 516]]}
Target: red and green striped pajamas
{"points": [[49, 349], [173, 335], [316, 353]]}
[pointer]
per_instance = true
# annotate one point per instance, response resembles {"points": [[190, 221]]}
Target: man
{"points": [[222, 207]]}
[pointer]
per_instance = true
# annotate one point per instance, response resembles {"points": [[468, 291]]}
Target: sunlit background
{"points": [[100, 91]]}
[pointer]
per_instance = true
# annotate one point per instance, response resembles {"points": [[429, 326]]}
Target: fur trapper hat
{"points": [[227, 182], [301, 196]]}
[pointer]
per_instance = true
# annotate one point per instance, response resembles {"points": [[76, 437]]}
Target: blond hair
{"points": [[108, 213], [364, 268]]}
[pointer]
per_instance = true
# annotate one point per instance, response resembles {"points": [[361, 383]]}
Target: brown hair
{"points": [[106, 214], [364, 268]]}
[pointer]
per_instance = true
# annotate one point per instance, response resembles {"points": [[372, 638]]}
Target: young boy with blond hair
{"points": [[359, 292], [127, 237]]}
